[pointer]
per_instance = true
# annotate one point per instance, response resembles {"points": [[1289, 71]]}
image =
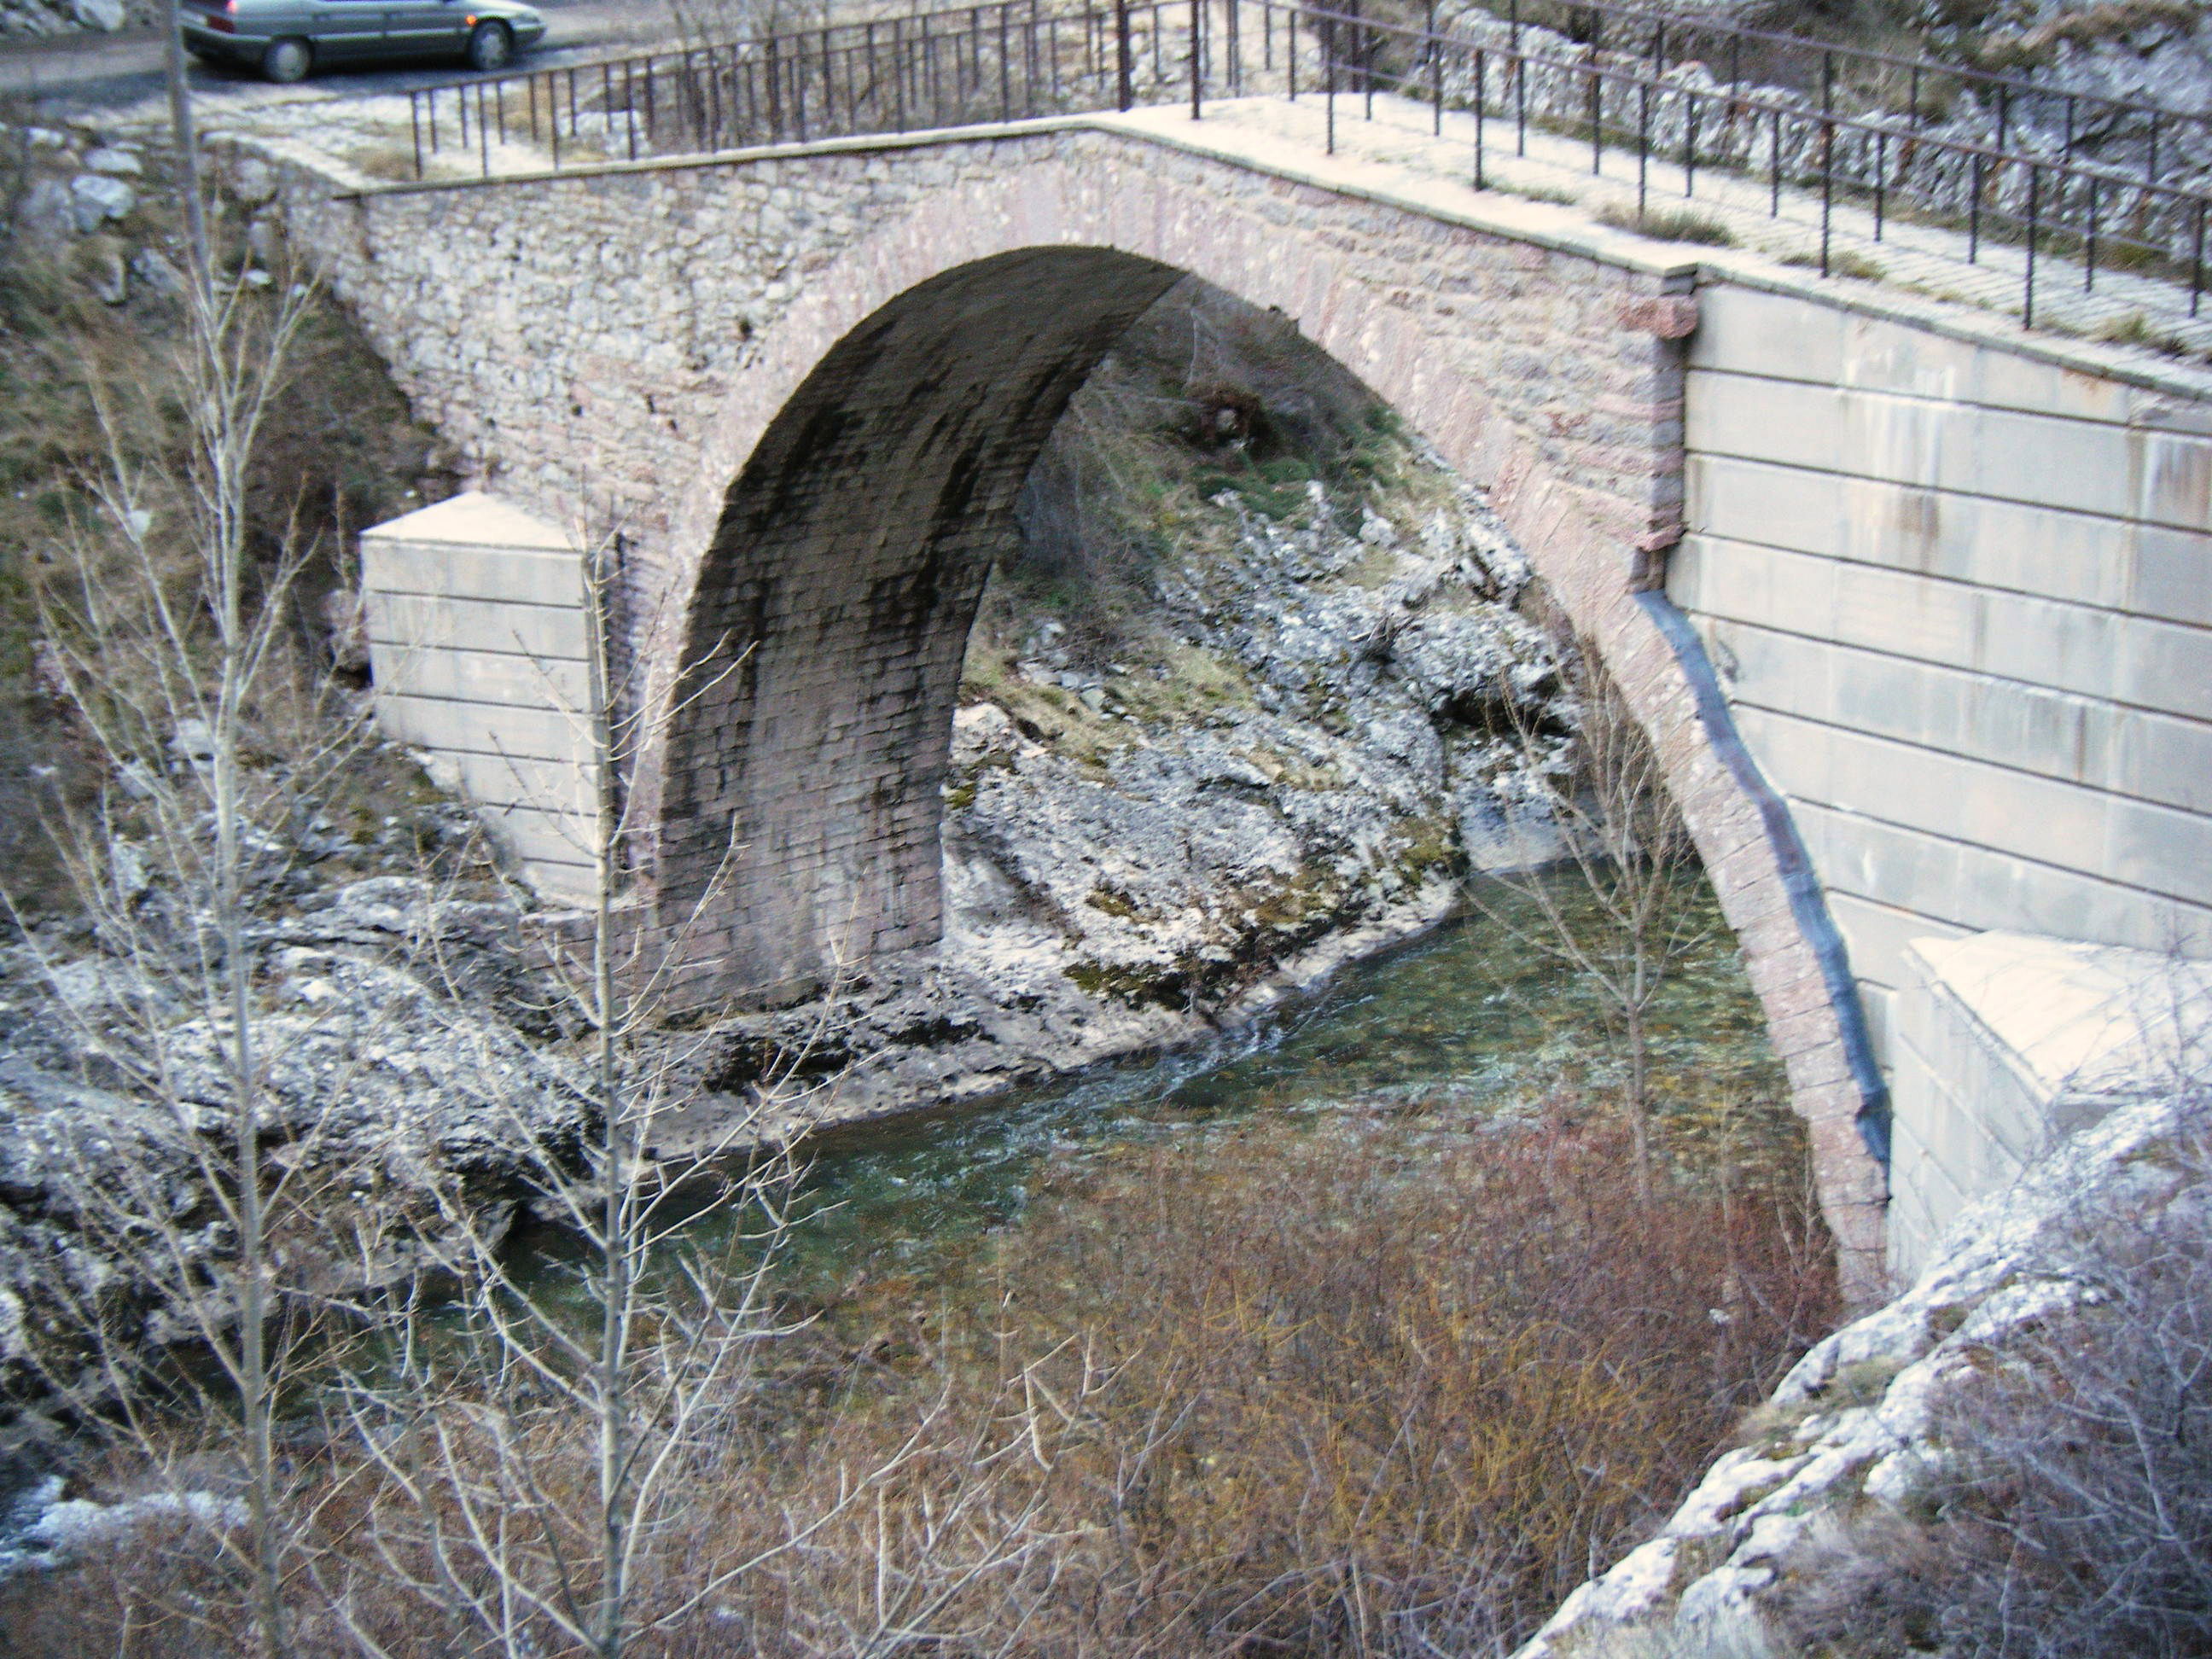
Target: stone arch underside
{"points": [[801, 796], [883, 426]]}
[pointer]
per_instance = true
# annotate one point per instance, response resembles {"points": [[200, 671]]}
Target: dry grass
{"points": [[1667, 224], [1339, 1396]]}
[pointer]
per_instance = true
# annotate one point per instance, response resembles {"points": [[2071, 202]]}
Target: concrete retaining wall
{"points": [[2003, 1044], [476, 628], [1958, 592]]}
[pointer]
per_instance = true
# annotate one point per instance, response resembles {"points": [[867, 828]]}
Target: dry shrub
{"points": [[1373, 1399], [1342, 1396]]}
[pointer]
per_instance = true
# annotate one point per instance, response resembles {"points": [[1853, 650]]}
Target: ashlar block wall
{"points": [[2004, 1043], [476, 620], [1958, 590]]}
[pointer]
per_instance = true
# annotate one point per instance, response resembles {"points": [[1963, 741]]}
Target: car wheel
{"points": [[288, 60], [491, 46]]}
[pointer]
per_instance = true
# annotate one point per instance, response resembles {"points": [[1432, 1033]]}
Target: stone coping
{"points": [[474, 518]]}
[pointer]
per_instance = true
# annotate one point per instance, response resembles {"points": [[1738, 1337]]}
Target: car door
{"points": [[424, 29], [343, 31]]}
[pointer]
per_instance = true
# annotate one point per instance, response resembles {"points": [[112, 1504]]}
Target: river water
{"points": [[1431, 1043], [1468, 1024]]}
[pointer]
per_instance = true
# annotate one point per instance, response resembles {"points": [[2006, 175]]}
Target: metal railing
{"points": [[1643, 98]]}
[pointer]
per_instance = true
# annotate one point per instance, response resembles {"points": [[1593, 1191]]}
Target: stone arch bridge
{"points": [[1913, 605]]}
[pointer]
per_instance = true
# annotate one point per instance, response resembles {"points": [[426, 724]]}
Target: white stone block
{"points": [[2005, 1044], [478, 623]]}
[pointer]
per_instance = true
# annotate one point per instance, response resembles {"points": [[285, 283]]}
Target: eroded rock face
{"points": [[36, 17], [390, 1040], [1850, 1445]]}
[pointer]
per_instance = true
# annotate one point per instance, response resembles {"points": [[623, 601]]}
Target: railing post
{"points": [[1596, 96], [1690, 108], [772, 84], [2027, 300], [1520, 77], [1030, 62], [484, 135], [2196, 260], [415, 128], [798, 85], [1437, 81], [1481, 183], [1125, 70], [2089, 253], [1774, 175], [1197, 56], [1642, 144], [898, 76], [1880, 178], [1329, 56], [1827, 188], [1974, 214]]}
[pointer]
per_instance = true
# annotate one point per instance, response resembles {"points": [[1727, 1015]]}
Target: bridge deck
{"points": [[1386, 145], [1925, 260]]}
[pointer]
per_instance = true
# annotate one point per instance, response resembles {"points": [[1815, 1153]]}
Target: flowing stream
{"points": [[1426, 1045], [1469, 1023]]}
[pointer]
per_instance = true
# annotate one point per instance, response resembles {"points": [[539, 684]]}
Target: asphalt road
{"points": [[118, 71]]}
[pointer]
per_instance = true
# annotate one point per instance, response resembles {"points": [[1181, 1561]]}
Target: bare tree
{"points": [[1618, 905], [175, 653]]}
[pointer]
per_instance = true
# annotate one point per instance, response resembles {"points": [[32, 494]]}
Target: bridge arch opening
{"points": [[823, 650], [825, 620]]}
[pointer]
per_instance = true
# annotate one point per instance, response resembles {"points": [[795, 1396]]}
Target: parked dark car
{"points": [[288, 39]]}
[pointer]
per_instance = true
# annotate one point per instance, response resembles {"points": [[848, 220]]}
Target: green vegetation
{"points": [[2137, 329]]}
